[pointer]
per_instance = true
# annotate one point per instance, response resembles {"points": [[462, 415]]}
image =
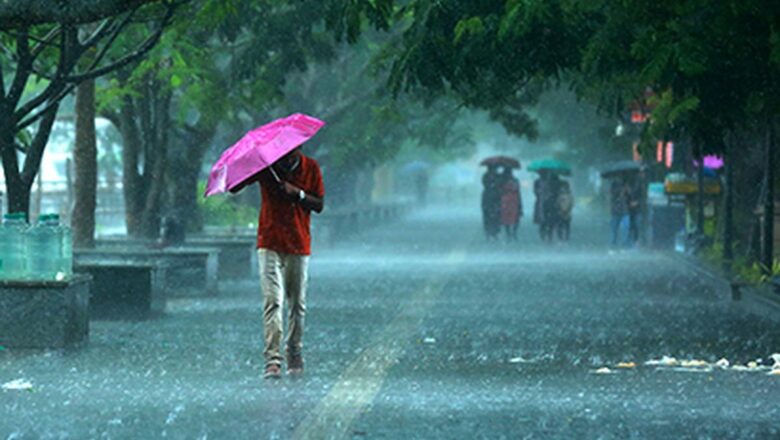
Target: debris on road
{"points": [[665, 361], [18, 385]]}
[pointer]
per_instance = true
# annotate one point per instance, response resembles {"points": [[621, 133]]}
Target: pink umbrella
{"points": [[258, 149]]}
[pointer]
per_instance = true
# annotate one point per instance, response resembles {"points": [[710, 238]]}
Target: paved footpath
{"points": [[422, 330]]}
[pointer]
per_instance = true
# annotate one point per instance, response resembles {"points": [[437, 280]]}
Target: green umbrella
{"points": [[552, 165]]}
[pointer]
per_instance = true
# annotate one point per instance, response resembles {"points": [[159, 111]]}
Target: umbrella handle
{"points": [[276, 176]]}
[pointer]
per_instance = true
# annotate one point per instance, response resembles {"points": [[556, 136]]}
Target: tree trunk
{"points": [[85, 159], [18, 196], [767, 257], [144, 124], [728, 212], [700, 198], [184, 164], [19, 181], [132, 187]]}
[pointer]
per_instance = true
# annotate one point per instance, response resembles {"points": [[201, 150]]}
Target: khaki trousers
{"points": [[282, 276]]}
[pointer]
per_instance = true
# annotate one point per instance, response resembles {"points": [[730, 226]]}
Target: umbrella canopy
{"points": [[551, 165], [615, 169], [501, 161], [258, 149], [712, 162]]}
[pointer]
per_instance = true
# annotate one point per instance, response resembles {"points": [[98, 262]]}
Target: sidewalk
{"points": [[758, 300]]}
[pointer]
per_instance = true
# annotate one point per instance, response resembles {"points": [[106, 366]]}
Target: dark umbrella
{"points": [[550, 165], [501, 161], [616, 169]]}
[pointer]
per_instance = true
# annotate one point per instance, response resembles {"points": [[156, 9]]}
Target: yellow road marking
{"points": [[358, 385]]}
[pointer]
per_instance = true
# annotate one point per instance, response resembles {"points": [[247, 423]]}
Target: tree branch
{"points": [[54, 102], [48, 40], [23, 69], [139, 53], [68, 42], [32, 161], [58, 80], [19, 14]]}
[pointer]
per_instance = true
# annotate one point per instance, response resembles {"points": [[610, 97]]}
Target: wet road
{"points": [[421, 330]]}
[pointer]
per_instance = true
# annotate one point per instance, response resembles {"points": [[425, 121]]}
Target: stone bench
{"points": [[45, 314], [125, 289], [189, 271], [237, 255], [340, 223]]}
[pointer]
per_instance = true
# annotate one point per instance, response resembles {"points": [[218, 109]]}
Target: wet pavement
{"points": [[422, 330]]}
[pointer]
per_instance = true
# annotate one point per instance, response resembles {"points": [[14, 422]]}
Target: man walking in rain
{"points": [[291, 188]]}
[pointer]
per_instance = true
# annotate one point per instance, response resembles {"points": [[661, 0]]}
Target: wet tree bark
{"points": [[183, 171], [700, 199], [19, 180], [767, 256], [85, 161], [143, 123], [728, 211]]}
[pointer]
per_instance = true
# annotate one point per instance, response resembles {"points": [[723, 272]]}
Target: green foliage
{"points": [[225, 211], [757, 273], [469, 27]]}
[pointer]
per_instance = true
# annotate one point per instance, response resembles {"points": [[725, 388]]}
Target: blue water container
{"points": [[66, 252], [13, 255], [44, 249]]}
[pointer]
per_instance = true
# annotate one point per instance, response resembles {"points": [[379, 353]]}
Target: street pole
{"points": [[769, 202], [700, 204], [728, 220]]}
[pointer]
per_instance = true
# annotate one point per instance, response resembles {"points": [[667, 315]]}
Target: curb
{"points": [[757, 300]]}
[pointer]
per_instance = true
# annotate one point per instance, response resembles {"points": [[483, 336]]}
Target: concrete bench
{"points": [[45, 314], [340, 223], [123, 289], [237, 255], [189, 271]]}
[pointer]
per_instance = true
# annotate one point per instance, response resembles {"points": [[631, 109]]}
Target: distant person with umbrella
{"points": [[491, 201], [291, 186], [492, 193], [625, 200], [619, 199], [511, 203], [565, 204], [546, 189]]}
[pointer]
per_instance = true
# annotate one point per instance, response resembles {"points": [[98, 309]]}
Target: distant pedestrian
{"points": [[546, 189], [619, 190], [491, 202], [284, 246], [565, 202], [634, 205], [511, 203]]}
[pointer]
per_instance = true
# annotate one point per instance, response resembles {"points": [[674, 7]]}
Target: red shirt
{"points": [[284, 225]]}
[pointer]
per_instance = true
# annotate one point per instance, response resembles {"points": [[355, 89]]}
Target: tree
{"points": [[222, 74], [85, 160], [48, 61], [19, 14]]}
